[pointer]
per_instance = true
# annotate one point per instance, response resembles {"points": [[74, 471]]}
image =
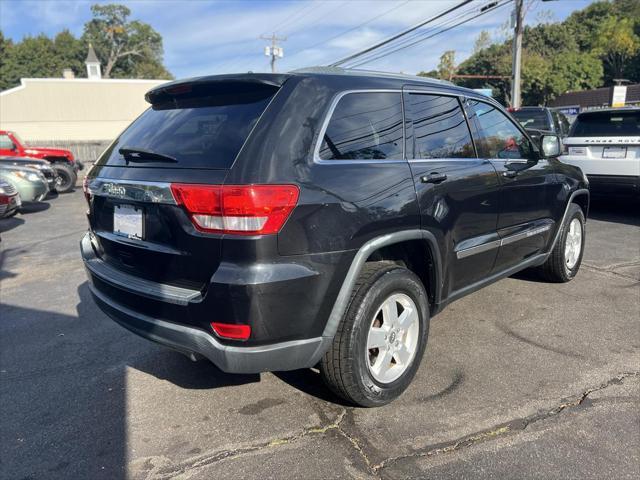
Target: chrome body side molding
{"points": [[535, 230]]}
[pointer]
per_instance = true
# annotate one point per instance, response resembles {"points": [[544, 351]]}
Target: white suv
{"points": [[605, 144]]}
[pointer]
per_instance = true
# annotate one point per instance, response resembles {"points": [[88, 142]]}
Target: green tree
{"points": [[430, 74], [32, 57], [447, 65], [616, 42], [482, 42], [70, 53], [6, 46], [126, 48]]}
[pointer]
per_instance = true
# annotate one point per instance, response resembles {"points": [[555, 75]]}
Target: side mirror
{"points": [[550, 146]]}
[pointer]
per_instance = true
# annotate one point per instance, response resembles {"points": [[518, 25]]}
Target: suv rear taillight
{"points": [[85, 189], [237, 209]]}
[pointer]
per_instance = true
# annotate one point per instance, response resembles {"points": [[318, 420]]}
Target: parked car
{"points": [[542, 119], [63, 161], [283, 221], [9, 199], [43, 165], [605, 144], [30, 183]]}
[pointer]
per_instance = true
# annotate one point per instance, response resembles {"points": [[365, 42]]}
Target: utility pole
{"points": [[517, 54], [274, 50]]}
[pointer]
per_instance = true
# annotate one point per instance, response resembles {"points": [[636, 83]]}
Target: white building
{"points": [[83, 114]]}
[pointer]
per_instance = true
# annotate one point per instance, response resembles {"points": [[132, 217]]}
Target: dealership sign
{"points": [[619, 96]]}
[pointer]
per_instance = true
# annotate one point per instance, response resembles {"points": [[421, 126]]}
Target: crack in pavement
{"points": [[202, 461], [606, 271], [512, 426]]}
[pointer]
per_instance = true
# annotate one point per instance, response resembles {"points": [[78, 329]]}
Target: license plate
{"points": [[577, 150], [18, 200], [127, 221], [614, 152]]}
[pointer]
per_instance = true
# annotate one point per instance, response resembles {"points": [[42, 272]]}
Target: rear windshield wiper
{"points": [[135, 154]]}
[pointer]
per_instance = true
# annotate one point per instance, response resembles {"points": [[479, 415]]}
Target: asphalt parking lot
{"points": [[523, 379]]}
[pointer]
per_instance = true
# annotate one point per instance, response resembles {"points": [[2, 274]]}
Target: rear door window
{"points": [[365, 126], [203, 131], [439, 127], [610, 124]]}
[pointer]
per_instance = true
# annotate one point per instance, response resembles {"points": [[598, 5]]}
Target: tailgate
{"points": [[191, 134]]}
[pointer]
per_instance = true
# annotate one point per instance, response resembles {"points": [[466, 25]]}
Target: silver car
{"points": [[30, 183]]}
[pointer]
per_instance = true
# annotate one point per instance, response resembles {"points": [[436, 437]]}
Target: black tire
{"points": [[555, 269], [67, 178], [344, 367]]}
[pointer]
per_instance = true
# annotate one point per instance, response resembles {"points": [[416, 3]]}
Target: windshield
{"points": [[195, 132], [537, 119], [18, 139], [611, 124]]}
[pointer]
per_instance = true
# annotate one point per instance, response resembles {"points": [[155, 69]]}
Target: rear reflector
{"points": [[231, 330], [237, 209]]}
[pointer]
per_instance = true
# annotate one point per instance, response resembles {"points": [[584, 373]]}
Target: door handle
{"points": [[510, 173], [433, 177]]}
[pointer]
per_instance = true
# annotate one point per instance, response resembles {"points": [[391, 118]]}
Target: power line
{"points": [[412, 44], [419, 37], [315, 20], [376, 17], [412, 37], [400, 34], [289, 18]]}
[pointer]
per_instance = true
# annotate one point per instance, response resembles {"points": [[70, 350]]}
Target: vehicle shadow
{"points": [[309, 381], [34, 207], [176, 368], [4, 254], [10, 223], [614, 210], [63, 394]]}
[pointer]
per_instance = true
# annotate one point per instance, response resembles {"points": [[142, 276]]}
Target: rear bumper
{"points": [[194, 342], [614, 184], [189, 339]]}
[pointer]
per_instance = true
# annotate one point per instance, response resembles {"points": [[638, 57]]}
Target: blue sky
{"points": [[205, 37]]}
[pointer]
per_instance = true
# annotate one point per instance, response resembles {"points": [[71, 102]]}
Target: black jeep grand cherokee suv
{"points": [[275, 222]]}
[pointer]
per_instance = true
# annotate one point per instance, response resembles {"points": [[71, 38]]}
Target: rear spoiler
{"points": [[168, 91]]}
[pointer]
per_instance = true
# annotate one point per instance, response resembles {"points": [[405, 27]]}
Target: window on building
{"points": [[365, 126], [439, 127]]}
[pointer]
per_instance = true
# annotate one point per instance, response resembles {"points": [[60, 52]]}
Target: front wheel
{"points": [[66, 178], [565, 259], [381, 339]]}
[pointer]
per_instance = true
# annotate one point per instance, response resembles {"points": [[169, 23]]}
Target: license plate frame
{"points": [[614, 152], [128, 221]]}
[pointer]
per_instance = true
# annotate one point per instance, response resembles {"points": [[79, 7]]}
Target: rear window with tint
{"points": [[365, 126], [202, 131], [610, 124], [536, 119]]}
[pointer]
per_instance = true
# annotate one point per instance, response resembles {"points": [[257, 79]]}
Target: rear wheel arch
{"points": [[390, 248], [417, 256]]}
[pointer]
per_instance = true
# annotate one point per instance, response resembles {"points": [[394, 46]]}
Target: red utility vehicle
{"points": [[62, 160]]}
